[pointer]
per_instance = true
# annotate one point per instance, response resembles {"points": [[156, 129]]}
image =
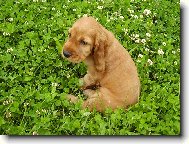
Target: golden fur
{"points": [[111, 80]]}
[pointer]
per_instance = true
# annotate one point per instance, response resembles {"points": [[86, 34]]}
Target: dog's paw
{"points": [[81, 82], [72, 98]]}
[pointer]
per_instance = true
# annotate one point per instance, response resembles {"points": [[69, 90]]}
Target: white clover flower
{"points": [[146, 49], [68, 75], [53, 8], [43, 0], [6, 102], [34, 133], [132, 38], [135, 16], [115, 13], [150, 62], [100, 7], [160, 52], [6, 33], [86, 113], [44, 110], [35, 0], [140, 56], [125, 30], [146, 12], [143, 41], [121, 17], [74, 9], [141, 16], [148, 34], [137, 41], [10, 50], [10, 101], [131, 11], [111, 18], [10, 19], [174, 52], [136, 35], [37, 111], [138, 61], [26, 104], [54, 84], [164, 43], [8, 114], [85, 15]]}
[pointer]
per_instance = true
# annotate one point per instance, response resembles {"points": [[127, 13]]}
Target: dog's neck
{"points": [[89, 61]]}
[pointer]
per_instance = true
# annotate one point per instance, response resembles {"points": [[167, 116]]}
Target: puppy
{"points": [[112, 80]]}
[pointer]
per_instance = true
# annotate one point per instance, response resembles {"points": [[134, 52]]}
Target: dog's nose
{"points": [[67, 54]]}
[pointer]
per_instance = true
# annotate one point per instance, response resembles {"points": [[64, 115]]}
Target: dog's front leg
{"points": [[86, 81]]}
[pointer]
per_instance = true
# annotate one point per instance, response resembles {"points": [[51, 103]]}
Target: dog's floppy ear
{"points": [[99, 50]]}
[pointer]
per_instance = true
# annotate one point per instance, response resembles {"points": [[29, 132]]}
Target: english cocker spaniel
{"points": [[112, 80]]}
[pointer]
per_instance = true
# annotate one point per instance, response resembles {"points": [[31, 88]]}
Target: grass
{"points": [[34, 78]]}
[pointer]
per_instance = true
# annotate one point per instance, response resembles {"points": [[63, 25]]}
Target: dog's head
{"points": [[86, 37]]}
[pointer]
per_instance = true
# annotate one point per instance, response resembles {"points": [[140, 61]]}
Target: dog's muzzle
{"points": [[67, 54]]}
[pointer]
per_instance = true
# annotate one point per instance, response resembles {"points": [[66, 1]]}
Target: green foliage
{"points": [[34, 78]]}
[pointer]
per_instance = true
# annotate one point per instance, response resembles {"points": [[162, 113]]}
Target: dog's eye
{"points": [[69, 35], [82, 42]]}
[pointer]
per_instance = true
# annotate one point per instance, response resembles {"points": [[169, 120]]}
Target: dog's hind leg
{"points": [[102, 99]]}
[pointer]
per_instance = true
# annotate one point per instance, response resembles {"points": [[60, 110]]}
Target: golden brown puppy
{"points": [[111, 80]]}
